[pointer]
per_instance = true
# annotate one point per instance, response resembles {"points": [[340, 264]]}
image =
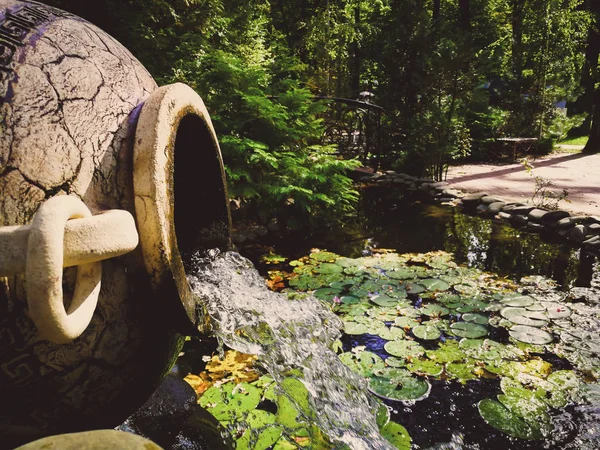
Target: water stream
{"points": [[289, 337]]}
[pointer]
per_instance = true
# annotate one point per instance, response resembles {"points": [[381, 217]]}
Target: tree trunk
{"points": [[592, 53], [355, 77], [465, 14], [436, 11], [593, 143]]}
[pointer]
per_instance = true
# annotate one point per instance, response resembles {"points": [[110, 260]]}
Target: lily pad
{"points": [[401, 274], [427, 332], [434, 310], [326, 294], [363, 363], [501, 418], [390, 334], [518, 300], [404, 349], [530, 335], [355, 328], [463, 371], [468, 330], [229, 401], [403, 386], [405, 321], [557, 311], [475, 318], [432, 284], [396, 435], [426, 367], [347, 262], [521, 316], [392, 361], [466, 289], [383, 300], [414, 288], [349, 299]]}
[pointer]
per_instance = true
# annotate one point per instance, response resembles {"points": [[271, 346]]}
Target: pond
{"points": [[467, 334]]}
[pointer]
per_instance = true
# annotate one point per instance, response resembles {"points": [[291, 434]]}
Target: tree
{"points": [[591, 78]]}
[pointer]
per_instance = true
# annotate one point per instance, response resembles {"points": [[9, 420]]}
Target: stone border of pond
{"points": [[579, 230]]}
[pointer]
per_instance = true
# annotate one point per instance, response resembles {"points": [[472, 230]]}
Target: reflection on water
{"points": [[388, 219]]}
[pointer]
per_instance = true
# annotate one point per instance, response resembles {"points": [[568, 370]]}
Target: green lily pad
{"points": [[383, 314], [392, 361], [463, 371], [425, 367], [448, 351], [326, 294], [434, 310], [396, 435], [403, 386], [355, 328], [410, 312], [557, 311], [401, 274], [324, 256], [427, 332], [475, 318], [383, 300], [530, 335], [363, 363], [404, 349], [414, 288], [405, 321], [468, 330], [466, 289], [432, 284], [349, 299], [229, 401], [518, 300], [501, 418], [390, 334], [521, 316], [347, 262]]}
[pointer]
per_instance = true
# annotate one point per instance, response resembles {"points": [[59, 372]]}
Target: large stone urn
{"points": [[94, 158]]}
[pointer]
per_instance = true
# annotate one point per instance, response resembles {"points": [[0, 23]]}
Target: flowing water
{"points": [[289, 337]]}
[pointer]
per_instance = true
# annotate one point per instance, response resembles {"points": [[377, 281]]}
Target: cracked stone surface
{"points": [[68, 98]]}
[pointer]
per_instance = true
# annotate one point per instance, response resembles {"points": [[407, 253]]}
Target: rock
{"points": [[504, 216], [522, 210], [439, 184], [260, 230], [536, 227], [481, 209], [554, 216], [93, 440], [578, 233], [567, 222], [495, 208], [447, 199], [425, 180], [594, 228], [536, 215], [564, 232], [273, 224], [593, 241], [518, 220], [488, 199], [473, 198], [451, 193], [509, 207], [391, 172]]}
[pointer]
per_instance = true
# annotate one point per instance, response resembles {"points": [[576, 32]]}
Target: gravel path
{"points": [[576, 172]]}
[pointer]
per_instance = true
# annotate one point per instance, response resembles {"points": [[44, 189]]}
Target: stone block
{"points": [[537, 215]]}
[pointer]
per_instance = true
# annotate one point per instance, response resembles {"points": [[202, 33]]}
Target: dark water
{"points": [[408, 224]]}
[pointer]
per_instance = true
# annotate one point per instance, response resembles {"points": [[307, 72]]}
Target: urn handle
{"points": [[64, 233]]}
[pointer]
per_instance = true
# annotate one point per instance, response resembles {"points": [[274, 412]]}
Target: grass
{"points": [[581, 140]]}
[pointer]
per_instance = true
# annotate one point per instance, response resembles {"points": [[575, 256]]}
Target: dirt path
{"points": [[576, 172]]}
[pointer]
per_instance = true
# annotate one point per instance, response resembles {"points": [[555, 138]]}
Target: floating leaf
{"points": [[463, 371], [426, 367], [410, 312], [468, 330], [434, 310], [401, 274], [355, 328], [466, 289], [433, 284], [530, 335], [328, 268], [522, 316], [427, 332], [230, 401], [405, 322], [349, 299], [404, 349], [475, 318], [347, 262], [326, 294], [364, 363], [498, 416], [448, 351], [557, 311], [396, 435], [414, 288], [384, 300], [402, 386], [518, 300], [390, 334], [383, 314], [392, 361]]}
